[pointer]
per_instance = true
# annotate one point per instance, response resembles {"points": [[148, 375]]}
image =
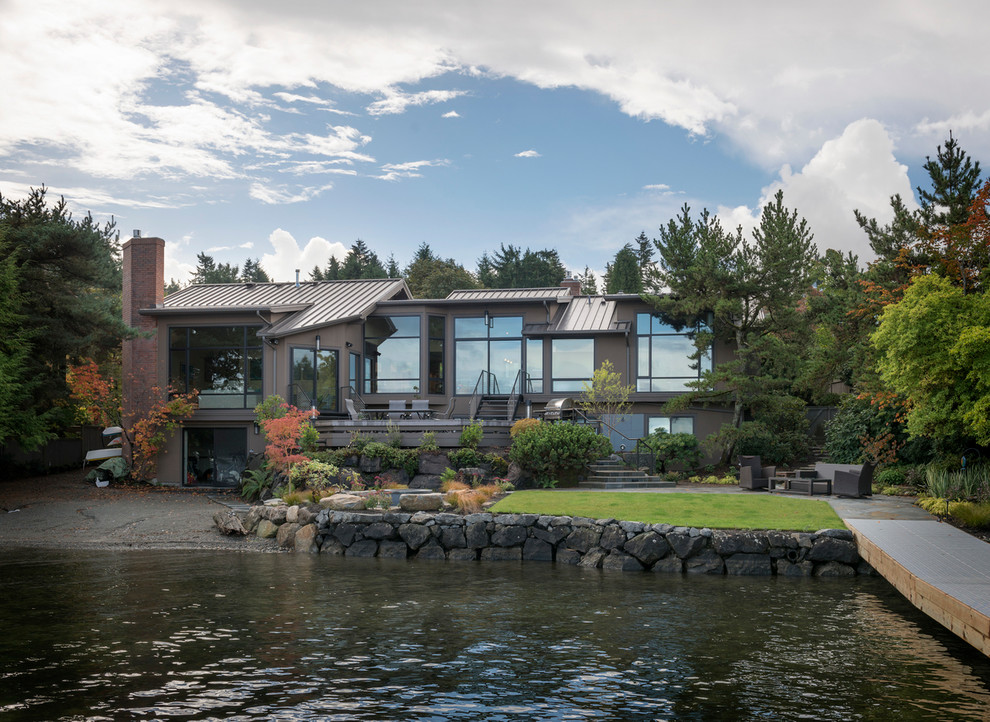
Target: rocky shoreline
{"points": [[594, 543]]}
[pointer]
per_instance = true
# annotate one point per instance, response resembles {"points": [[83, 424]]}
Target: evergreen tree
{"points": [[623, 274], [172, 286], [253, 272], [746, 295], [589, 284], [955, 179], [429, 276], [361, 262], [68, 277], [511, 267], [393, 267], [644, 257], [209, 271]]}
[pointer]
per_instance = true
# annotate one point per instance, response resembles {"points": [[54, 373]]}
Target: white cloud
{"points": [[528, 154], [286, 256], [398, 102], [662, 187], [451, 114], [395, 171], [274, 195], [855, 171]]}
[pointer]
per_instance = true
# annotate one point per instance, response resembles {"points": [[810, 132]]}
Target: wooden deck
{"points": [[338, 432]]}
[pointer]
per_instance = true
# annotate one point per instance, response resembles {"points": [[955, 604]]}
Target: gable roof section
{"points": [[310, 304]]}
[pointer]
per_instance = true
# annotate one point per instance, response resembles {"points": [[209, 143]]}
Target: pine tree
{"points": [[955, 179], [253, 272], [209, 271], [589, 284], [623, 275], [361, 262]]}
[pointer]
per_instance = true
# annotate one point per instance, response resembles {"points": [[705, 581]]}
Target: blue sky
{"points": [[244, 129]]}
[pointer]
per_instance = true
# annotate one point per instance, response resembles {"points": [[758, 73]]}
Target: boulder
{"points": [[393, 550], [452, 538], [305, 541], [568, 556], [433, 464], [669, 565], [431, 550], [267, 529], [421, 502], [501, 554], [706, 562], [728, 543], [686, 546], [344, 533], [415, 535], [432, 482], [378, 530], [476, 535], [535, 550], [305, 516], [834, 569], [343, 502], [794, 569], [829, 549], [593, 559], [229, 523], [363, 548], [612, 538], [509, 536], [292, 514], [621, 562], [254, 515], [582, 539], [286, 535], [275, 513], [648, 547]]}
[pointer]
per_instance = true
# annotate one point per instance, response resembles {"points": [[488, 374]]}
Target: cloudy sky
{"points": [[285, 131]]}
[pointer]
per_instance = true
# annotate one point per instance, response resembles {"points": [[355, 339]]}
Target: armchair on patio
{"points": [[352, 412], [853, 483], [752, 473]]}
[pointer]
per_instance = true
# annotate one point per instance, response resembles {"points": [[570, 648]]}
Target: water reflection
{"points": [[224, 636]]}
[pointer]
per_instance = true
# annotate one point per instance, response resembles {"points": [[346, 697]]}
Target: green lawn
{"points": [[716, 511]]}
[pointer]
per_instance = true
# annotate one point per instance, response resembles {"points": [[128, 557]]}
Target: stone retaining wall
{"points": [[596, 543]]}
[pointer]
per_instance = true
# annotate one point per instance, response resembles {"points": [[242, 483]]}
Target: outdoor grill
{"points": [[559, 409]]}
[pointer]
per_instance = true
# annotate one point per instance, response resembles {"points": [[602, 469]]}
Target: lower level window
{"points": [[671, 424], [214, 457]]}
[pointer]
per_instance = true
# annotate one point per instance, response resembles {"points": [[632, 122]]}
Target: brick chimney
{"points": [[573, 285], [144, 287]]}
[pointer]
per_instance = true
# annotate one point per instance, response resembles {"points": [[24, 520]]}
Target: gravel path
{"points": [[64, 511]]}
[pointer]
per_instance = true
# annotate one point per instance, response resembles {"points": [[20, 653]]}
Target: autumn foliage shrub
{"points": [[96, 391], [151, 432]]}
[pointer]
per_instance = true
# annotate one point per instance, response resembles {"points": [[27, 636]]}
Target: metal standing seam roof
{"points": [[511, 294], [311, 303], [584, 314]]}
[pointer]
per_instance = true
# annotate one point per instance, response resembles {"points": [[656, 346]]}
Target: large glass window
{"points": [[534, 365], [222, 362], [354, 371], [436, 367], [391, 355], [671, 424], [214, 457], [314, 379], [572, 362], [663, 356], [488, 344]]}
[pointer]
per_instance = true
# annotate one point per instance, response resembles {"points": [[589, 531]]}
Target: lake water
{"points": [[202, 636]]}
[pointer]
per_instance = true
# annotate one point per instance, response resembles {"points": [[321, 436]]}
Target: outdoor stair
{"points": [[493, 406], [613, 474]]}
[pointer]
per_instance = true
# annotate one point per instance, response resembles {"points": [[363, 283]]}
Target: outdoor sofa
{"points": [[855, 480]]}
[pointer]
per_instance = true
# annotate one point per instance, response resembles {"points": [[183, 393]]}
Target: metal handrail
{"points": [[637, 444], [475, 403], [522, 379]]}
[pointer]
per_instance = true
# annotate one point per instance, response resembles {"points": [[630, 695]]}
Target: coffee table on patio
{"points": [[803, 480]]}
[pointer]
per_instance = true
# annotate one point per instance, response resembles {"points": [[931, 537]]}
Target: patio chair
{"points": [[421, 408], [853, 483], [352, 412], [397, 409], [752, 473]]}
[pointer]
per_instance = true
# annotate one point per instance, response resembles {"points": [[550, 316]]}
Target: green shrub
{"points": [[549, 450], [254, 482], [336, 457], [393, 436], [891, 476], [313, 474], [358, 442], [672, 449], [428, 442], [498, 464], [378, 500], [273, 407], [447, 475], [461, 458], [523, 424], [972, 515], [471, 435]]}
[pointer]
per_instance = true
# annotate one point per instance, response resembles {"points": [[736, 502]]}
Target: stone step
{"points": [[650, 482]]}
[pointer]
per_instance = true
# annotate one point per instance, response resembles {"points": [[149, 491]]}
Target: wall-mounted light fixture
{"points": [[257, 428], [348, 344], [317, 342]]}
